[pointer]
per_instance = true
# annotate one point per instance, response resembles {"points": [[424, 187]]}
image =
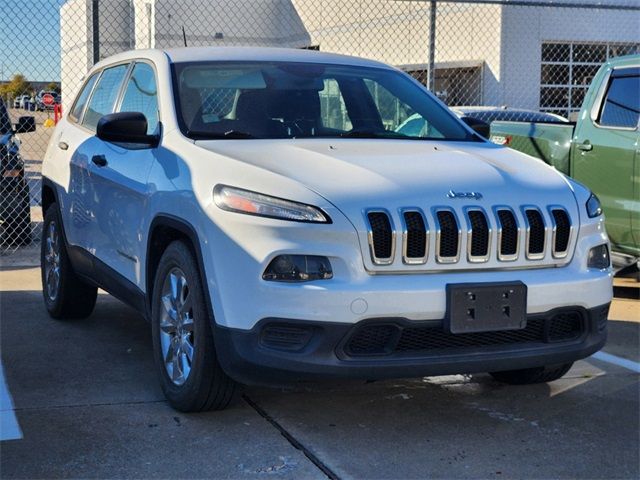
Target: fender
{"points": [[176, 223]]}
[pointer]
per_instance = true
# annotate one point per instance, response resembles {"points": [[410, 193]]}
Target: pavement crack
{"points": [[83, 405], [292, 440]]}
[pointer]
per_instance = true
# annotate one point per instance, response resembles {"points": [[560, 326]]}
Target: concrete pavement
{"points": [[89, 405]]}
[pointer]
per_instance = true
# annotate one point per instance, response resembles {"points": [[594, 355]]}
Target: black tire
{"points": [[74, 298], [528, 376], [207, 386], [17, 221]]}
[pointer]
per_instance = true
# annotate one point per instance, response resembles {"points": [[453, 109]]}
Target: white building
{"points": [[522, 56]]}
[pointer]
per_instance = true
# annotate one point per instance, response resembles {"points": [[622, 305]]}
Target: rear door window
{"points": [[621, 106], [104, 95]]}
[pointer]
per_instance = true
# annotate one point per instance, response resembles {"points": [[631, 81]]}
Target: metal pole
{"points": [[431, 74], [95, 17]]}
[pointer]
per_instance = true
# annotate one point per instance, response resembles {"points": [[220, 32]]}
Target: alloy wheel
{"points": [[176, 326]]}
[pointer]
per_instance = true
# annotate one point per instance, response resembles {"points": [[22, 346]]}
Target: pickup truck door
{"points": [[604, 152]]}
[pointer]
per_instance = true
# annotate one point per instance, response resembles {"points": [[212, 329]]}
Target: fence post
{"points": [[431, 74]]}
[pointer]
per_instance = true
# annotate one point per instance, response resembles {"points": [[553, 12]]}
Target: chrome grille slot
{"points": [[447, 237], [415, 244], [561, 232], [507, 236], [479, 236], [381, 237], [535, 234]]}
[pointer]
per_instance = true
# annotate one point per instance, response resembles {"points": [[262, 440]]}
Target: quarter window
{"points": [[104, 95], [621, 106], [81, 100], [141, 95]]}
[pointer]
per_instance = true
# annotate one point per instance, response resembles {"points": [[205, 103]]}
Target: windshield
{"points": [[304, 100], [5, 121]]}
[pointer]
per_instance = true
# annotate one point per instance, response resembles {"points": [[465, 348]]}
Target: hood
{"points": [[355, 174]]}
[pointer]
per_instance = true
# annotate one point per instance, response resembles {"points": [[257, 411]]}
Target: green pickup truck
{"points": [[601, 150]]}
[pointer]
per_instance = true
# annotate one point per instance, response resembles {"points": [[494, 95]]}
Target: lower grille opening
{"points": [[390, 339], [285, 337]]}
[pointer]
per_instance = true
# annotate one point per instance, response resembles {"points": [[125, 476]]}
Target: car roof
{"points": [[241, 54]]}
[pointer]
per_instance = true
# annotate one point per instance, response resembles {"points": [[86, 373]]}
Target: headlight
{"points": [[594, 209], [252, 203]]}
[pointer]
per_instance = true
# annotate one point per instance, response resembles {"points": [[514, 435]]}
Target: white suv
{"points": [[261, 209]]}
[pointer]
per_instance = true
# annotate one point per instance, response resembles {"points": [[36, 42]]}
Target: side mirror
{"points": [[126, 127], [26, 125]]}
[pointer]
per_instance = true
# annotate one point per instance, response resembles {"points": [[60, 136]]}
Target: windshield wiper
{"points": [[231, 135]]}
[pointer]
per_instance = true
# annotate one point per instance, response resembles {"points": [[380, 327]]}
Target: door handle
{"points": [[586, 146], [63, 145], [99, 160]]}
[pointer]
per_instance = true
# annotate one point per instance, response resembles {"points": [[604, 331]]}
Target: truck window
{"points": [[621, 106]]}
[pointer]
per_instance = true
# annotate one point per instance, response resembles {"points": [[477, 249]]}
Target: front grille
{"points": [[388, 339], [535, 243], [381, 237], [508, 248], [562, 232], [448, 236], [416, 237], [479, 246], [520, 229]]}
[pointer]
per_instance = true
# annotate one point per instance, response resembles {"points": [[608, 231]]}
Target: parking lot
{"points": [[88, 404]]}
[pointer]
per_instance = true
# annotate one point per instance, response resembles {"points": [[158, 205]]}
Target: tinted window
{"points": [[622, 104], [141, 95], [81, 100], [104, 95], [294, 100]]}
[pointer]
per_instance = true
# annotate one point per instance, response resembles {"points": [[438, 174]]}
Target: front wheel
{"points": [[528, 376], [186, 361]]}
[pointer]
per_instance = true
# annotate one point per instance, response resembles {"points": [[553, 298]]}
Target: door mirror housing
{"points": [[128, 128], [25, 125]]}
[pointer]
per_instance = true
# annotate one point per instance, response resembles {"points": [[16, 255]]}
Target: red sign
{"points": [[48, 99]]}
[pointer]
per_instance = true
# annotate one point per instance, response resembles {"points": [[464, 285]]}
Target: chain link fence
{"points": [[506, 55]]}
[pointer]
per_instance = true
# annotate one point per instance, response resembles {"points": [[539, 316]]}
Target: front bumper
{"points": [[284, 351]]}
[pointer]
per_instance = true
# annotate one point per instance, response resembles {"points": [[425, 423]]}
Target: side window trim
{"points": [[78, 120], [599, 103]]}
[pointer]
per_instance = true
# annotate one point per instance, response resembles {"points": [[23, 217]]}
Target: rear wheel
{"points": [[66, 296], [190, 375], [528, 376]]}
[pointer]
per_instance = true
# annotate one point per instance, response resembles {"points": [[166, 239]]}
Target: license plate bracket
{"points": [[486, 307]]}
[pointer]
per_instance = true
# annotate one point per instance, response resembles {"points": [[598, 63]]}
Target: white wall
{"points": [[76, 47], [526, 28]]}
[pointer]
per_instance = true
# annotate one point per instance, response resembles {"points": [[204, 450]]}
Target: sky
{"points": [[30, 39]]}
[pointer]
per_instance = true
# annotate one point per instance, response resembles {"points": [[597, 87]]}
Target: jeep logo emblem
{"points": [[476, 195]]}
